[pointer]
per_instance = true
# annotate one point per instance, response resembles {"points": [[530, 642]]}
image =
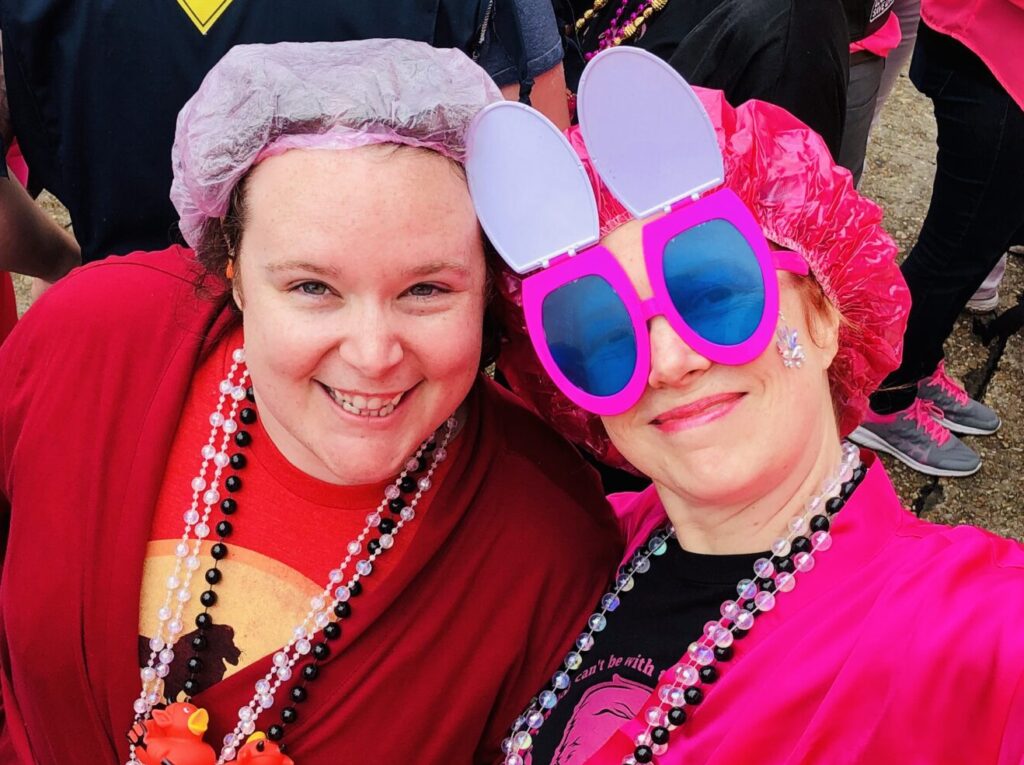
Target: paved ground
{"points": [[901, 163]]}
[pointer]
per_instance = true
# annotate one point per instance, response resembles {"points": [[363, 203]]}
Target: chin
{"points": [[356, 462], [715, 470]]}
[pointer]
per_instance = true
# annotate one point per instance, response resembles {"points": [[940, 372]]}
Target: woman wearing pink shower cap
{"points": [[263, 496], [715, 315]]}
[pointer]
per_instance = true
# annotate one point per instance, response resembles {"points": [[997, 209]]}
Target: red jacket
{"points": [[476, 615]]}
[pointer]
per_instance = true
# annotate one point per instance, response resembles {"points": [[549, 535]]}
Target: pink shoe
{"points": [[959, 412]]}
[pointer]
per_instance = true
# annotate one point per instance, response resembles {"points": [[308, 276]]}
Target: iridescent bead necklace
{"points": [[325, 609], [689, 679]]}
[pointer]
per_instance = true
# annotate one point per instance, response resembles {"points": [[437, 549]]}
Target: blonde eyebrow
{"points": [[436, 266], [426, 269], [301, 265]]}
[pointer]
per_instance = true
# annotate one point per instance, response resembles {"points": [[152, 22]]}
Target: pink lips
{"points": [[697, 413]]}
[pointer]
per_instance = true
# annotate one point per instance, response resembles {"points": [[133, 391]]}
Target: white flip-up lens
{"points": [[531, 193], [647, 133]]}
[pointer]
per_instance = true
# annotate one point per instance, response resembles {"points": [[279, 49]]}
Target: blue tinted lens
{"points": [[590, 335], [715, 282]]}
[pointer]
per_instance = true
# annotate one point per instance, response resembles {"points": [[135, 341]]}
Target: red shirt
{"points": [[433, 665], [291, 529]]}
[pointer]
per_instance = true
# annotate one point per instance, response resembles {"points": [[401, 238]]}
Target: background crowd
{"points": [[73, 114]]}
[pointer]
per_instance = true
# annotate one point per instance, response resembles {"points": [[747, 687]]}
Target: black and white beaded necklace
{"points": [[807, 534], [326, 609]]}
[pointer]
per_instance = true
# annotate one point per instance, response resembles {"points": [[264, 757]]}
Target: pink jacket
{"points": [[993, 29], [904, 645]]}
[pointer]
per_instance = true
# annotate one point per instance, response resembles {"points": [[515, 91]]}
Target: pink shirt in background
{"points": [[992, 29], [882, 42], [902, 646]]}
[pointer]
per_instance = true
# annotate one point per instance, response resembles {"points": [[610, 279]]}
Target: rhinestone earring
{"points": [[788, 343]]}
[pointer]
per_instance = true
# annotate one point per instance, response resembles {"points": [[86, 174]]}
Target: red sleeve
{"points": [[6, 749], [8, 754], [570, 546]]}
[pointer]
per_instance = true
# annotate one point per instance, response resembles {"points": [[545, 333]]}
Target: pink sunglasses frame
{"points": [[599, 261]]}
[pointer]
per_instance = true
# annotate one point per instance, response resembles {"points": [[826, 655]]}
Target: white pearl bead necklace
{"points": [[205, 495], [717, 633], [186, 553]]}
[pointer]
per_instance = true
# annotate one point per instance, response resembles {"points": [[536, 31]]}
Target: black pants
{"points": [[977, 202]]}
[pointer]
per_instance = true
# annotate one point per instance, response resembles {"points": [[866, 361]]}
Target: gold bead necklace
{"points": [[626, 32]]}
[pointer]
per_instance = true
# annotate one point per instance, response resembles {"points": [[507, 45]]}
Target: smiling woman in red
{"points": [[266, 477]]}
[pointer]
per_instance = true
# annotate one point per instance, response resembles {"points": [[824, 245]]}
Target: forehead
{"points": [[370, 196]]}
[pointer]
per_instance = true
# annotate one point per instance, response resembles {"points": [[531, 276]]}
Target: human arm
{"points": [[559, 590], [547, 96], [31, 242], [534, 34]]}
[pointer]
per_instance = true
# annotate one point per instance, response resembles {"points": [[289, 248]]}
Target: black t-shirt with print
{"points": [[664, 612]]}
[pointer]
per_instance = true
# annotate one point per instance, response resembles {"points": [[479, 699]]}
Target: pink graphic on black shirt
{"points": [[601, 711]]}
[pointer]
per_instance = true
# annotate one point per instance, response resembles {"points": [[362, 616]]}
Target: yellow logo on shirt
{"points": [[204, 13]]}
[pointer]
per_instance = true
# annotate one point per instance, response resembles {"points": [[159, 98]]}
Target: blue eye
{"points": [[426, 290], [313, 289]]}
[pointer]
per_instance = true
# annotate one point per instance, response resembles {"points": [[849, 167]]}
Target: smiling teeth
{"points": [[365, 407]]}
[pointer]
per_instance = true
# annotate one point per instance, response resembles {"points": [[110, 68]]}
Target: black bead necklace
{"points": [[219, 550], [679, 700], [331, 632]]}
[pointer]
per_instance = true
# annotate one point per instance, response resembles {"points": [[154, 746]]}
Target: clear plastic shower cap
{"points": [[262, 100]]}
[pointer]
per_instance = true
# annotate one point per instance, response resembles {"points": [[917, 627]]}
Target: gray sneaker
{"points": [[960, 413], [915, 437]]}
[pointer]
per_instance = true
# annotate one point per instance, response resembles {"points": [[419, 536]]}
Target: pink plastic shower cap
{"points": [[261, 100], [784, 173]]}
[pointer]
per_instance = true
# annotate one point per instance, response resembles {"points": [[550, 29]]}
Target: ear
{"points": [[824, 328], [821, 318], [530, 190], [236, 286], [646, 130]]}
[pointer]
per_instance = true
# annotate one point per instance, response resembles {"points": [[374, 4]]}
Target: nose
{"points": [[673, 362], [371, 343]]}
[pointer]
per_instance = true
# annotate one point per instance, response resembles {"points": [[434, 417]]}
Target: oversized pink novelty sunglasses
{"points": [[712, 274], [713, 278]]}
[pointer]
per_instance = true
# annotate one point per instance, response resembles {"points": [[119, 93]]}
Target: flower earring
{"points": [[788, 343]]}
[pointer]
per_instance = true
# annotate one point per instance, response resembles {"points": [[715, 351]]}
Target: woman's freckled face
{"points": [[712, 432], [361, 280]]}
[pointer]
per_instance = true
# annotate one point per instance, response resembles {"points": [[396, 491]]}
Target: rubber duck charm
{"points": [[259, 750], [174, 735]]}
